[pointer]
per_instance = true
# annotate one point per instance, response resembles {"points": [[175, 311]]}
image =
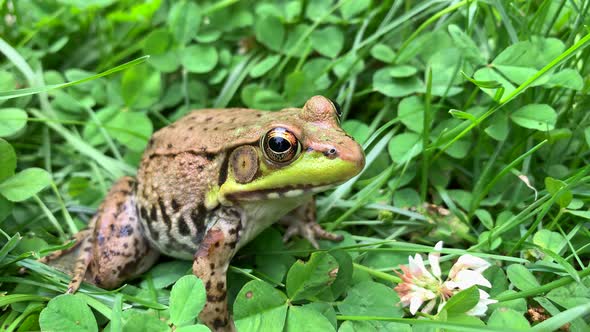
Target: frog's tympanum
{"points": [[211, 182]]}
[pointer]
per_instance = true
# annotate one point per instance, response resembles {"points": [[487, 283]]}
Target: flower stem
{"points": [[377, 274]]}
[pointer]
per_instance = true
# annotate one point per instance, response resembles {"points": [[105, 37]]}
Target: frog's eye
{"points": [[337, 108], [280, 145]]}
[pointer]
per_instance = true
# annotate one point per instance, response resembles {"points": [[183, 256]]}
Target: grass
{"points": [[456, 104]]}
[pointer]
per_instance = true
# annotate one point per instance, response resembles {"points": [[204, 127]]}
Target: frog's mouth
{"points": [[279, 193], [312, 173]]}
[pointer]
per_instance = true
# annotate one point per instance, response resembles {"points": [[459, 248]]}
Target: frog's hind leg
{"points": [[302, 221], [78, 238], [114, 249], [84, 257], [210, 265]]}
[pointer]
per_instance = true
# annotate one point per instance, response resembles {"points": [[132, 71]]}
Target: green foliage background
{"points": [[480, 107]]}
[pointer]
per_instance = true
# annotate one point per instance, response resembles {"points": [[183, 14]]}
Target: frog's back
{"points": [[208, 131]]}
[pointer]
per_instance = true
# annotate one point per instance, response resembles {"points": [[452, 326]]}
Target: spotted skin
{"points": [[113, 248], [210, 265]]}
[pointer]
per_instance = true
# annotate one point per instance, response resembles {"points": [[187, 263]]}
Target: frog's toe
{"points": [[309, 230], [302, 229], [84, 258], [77, 239], [324, 234]]}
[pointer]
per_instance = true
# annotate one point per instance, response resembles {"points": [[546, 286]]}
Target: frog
{"points": [[208, 184]]}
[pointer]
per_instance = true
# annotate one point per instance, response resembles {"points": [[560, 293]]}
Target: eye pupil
{"points": [[279, 144]]}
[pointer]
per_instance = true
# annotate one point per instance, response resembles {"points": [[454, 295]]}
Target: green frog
{"points": [[209, 183]]}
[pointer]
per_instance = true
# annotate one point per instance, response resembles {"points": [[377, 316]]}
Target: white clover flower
{"points": [[420, 286]]}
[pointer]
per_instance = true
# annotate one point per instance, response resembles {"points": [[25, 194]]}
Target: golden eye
{"points": [[280, 145]]}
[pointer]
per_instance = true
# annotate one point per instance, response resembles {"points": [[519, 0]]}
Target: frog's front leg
{"points": [[210, 265], [302, 221], [113, 248]]}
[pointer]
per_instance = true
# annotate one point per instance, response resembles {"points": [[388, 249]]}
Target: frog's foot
{"points": [[84, 257], [310, 231], [302, 222], [210, 265], [78, 238]]}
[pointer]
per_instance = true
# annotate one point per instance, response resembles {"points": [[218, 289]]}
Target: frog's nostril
{"points": [[331, 153]]}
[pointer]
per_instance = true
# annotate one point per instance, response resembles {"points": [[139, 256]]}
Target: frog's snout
{"points": [[353, 153], [348, 151]]}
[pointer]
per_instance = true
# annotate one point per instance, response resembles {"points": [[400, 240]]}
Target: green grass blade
{"points": [[544, 288], [5, 95], [556, 322], [482, 194], [15, 298], [8, 246], [428, 323], [116, 168]]}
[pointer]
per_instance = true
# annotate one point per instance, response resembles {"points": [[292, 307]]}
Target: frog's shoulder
{"points": [[208, 131]]}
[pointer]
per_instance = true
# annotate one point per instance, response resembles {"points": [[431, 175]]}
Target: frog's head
{"points": [[298, 152]]}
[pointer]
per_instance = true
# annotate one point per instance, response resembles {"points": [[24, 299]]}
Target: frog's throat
{"points": [[311, 173]]}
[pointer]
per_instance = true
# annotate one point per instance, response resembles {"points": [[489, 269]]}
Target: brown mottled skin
{"points": [[201, 194]]}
